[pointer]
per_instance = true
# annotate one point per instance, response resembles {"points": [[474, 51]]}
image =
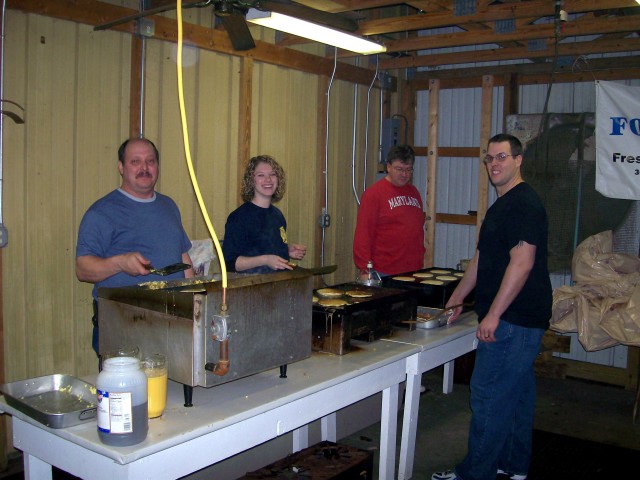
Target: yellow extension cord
{"points": [[187, 151]]}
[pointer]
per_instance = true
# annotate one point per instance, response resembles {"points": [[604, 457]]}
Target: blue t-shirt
{"points": [[251, 231], [120, 223]]}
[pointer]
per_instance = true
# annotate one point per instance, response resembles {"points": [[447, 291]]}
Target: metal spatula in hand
{"points": [[169, 269]]}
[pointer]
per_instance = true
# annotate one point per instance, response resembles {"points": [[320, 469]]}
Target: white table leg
{"points": [[388, 430], [300, 438], [409, 420], [328, 427], [447, 377], [36, 469]]}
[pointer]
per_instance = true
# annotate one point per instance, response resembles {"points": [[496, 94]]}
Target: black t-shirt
{"points": [[251, 231], [516, 216]]}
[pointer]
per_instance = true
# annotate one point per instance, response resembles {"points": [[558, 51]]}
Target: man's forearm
{"points": [[94, 269]]}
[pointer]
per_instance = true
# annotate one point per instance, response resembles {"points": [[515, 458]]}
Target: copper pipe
{"points": [[222, 367]]}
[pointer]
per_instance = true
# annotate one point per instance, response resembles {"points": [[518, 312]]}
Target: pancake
{"points": [[423, 274], [440, 272], [433, 282], [332, 302], [459, 274], [358, 294], [329, 292], [405, 279], [446, 278], [314, 299]]}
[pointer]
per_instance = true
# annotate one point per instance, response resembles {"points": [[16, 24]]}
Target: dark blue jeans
{"points": [[503, 397]]}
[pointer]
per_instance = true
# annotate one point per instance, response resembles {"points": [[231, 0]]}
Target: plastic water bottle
{"points": [[122, 402]]}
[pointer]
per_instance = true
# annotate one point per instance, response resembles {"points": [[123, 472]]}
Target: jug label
{"points": [[115, 413]]}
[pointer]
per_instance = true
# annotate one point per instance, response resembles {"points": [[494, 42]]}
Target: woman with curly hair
{"points": [[255, 238]]}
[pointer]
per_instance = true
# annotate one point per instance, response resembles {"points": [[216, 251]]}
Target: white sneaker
{"points": [[447, 475], [512, 476]]}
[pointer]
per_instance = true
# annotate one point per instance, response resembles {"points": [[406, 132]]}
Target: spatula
{"points": [[169, 269]]}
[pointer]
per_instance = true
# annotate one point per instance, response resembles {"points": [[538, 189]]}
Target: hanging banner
{"points": [[618, 140]]}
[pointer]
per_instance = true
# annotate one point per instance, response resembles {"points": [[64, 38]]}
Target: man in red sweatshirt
{"points": [[390, 227]]}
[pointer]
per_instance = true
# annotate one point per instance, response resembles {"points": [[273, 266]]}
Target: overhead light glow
{"points": [[313, 31]]}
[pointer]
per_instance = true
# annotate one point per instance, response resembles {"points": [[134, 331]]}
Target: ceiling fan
{"points": [[232, 16]]}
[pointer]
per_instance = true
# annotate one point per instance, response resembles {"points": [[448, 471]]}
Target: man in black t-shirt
{"points": [[513, 302]]}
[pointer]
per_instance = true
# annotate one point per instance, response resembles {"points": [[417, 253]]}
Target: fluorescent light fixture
{"points": [[313, 31]]}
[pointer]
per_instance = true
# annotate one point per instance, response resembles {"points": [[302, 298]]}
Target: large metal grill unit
{"points": [[268, 323], [366, 319], [434, 296]]}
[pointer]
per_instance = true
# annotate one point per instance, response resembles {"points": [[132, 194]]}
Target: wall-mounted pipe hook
{"points": [[12, 115]]}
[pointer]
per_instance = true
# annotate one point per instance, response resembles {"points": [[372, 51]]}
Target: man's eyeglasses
{"points": [[403, 170], [500, 157]]}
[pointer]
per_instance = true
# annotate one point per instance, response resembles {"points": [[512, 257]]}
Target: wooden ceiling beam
{"points": [[497, 54], [490, 13], [511, 46], [338, 6], [592, 26], [93, 12], [591, 66]]}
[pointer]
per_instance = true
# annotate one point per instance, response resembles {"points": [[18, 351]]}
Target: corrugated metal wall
{"points": [[74, 85]]}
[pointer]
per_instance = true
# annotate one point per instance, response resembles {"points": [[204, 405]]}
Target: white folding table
{"points": [[228, 419], [438, 346]]}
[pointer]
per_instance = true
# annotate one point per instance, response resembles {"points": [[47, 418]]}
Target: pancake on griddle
{"points": [[329, 292], [433, 282], [359, 294], [446, 278], [423, 275], [405, 279], [332, 302]]}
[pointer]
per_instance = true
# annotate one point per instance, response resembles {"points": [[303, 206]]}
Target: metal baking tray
{"points": [[438, 317], [57, 401]]}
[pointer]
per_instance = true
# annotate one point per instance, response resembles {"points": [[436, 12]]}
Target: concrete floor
{"points": [[570, 407]]}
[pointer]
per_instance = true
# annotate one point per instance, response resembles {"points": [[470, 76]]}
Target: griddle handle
{"points": [[188, 395], [283, 371]]}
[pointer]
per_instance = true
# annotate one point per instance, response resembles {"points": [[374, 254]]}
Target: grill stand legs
{"points": [[188, 395]]}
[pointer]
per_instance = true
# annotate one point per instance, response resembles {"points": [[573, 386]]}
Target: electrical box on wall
{"points": [[4, 236], [390, 136]]}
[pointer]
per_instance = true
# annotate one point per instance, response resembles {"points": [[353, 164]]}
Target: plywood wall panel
{"points": [[15, 279], [51, 54], [282, 100], [217, 134], [101, 116], [74, 82]]}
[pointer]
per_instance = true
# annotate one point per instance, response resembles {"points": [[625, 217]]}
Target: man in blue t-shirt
{"points": [[132, 229]]}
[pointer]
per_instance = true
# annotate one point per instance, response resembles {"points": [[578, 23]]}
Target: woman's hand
{"points": [[274, 262], [297, 251]]}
